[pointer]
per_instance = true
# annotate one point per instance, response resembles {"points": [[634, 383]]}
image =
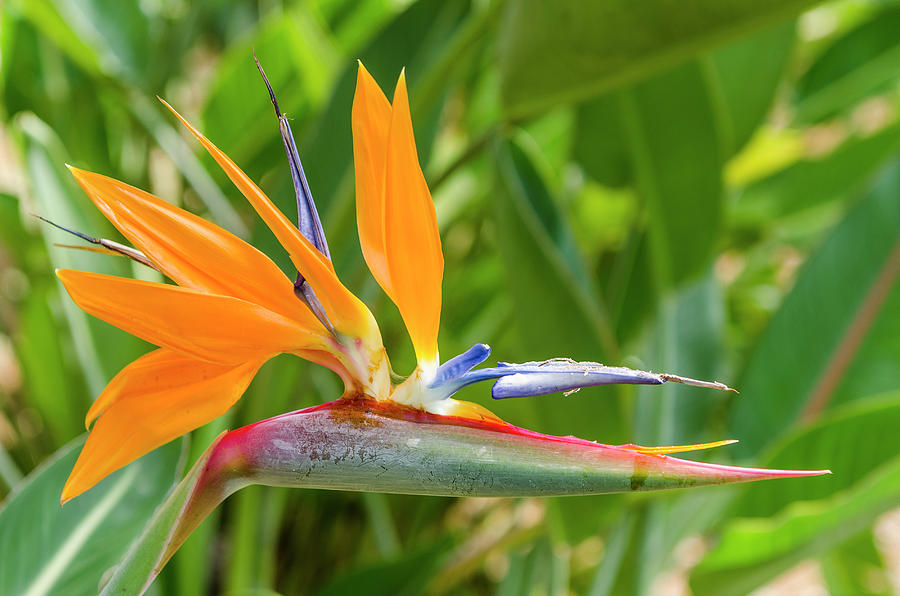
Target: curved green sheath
{"points": [[373, 446]]}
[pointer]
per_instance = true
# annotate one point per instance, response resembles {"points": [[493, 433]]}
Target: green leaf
{"points": [[740, 79], [566, 51], [852, 441], [873, 370], [298, 60], [614, 552], [754, 550], [631, 289], [52, 390], [676, 156], [743, 78], [863, 61], [46, 80], [47, 19], [813, 182], [14, 239], [352, 22], [599, 142], [687, 337], [102, 350], [49, 549], [119, 34], [806, 349], [408, 574], [856, 567]]}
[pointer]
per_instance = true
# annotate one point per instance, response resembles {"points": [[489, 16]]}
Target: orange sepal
{"points": [[155, 399], [345, 311], [471, 411], [218, 329], [371, 121], [412, 241], [192, 251]]}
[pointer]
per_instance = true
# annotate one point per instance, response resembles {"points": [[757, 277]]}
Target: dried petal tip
{"points": [[307, 216], [696, 383], [107, 246]]}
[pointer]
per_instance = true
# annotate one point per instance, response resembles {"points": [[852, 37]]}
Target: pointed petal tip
{"points": [[69, 492], [363, 77], [401, 83], [696, 382], [362, 73], [763, 474], [183, 120], [268, 86], [813, 472], [79, 174]]}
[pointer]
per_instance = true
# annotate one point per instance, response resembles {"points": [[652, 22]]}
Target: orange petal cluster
{"points": [[232, 308]]}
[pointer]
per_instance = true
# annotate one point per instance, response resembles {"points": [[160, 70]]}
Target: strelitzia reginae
{"points": [[233, 309]]}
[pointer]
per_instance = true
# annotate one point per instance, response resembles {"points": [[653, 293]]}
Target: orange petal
{"points": [[155, 399], [412, 241], [470, 410], [346, 312], [192, 251], [371, 122], [218, 329]]}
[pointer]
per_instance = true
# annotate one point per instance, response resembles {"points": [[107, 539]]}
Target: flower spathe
{"points": [[232, 308]]}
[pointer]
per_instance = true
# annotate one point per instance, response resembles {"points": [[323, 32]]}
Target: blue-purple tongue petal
{"points": [[557, 375], [460, 365], [541, 381], [307, 216], [308, 221], [563, 375]]}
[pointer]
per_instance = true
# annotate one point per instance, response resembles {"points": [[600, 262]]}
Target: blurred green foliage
{"points": [[705, 188]]}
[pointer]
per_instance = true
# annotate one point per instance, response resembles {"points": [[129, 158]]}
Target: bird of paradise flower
{"points": [[233, 309]]}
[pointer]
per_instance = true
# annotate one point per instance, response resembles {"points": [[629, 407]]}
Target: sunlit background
{"points": [[699, 188]]}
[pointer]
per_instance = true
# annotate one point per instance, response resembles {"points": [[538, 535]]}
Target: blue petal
{"points": [[541, 378], [460, 365], [307, 216], [549, 376]]}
